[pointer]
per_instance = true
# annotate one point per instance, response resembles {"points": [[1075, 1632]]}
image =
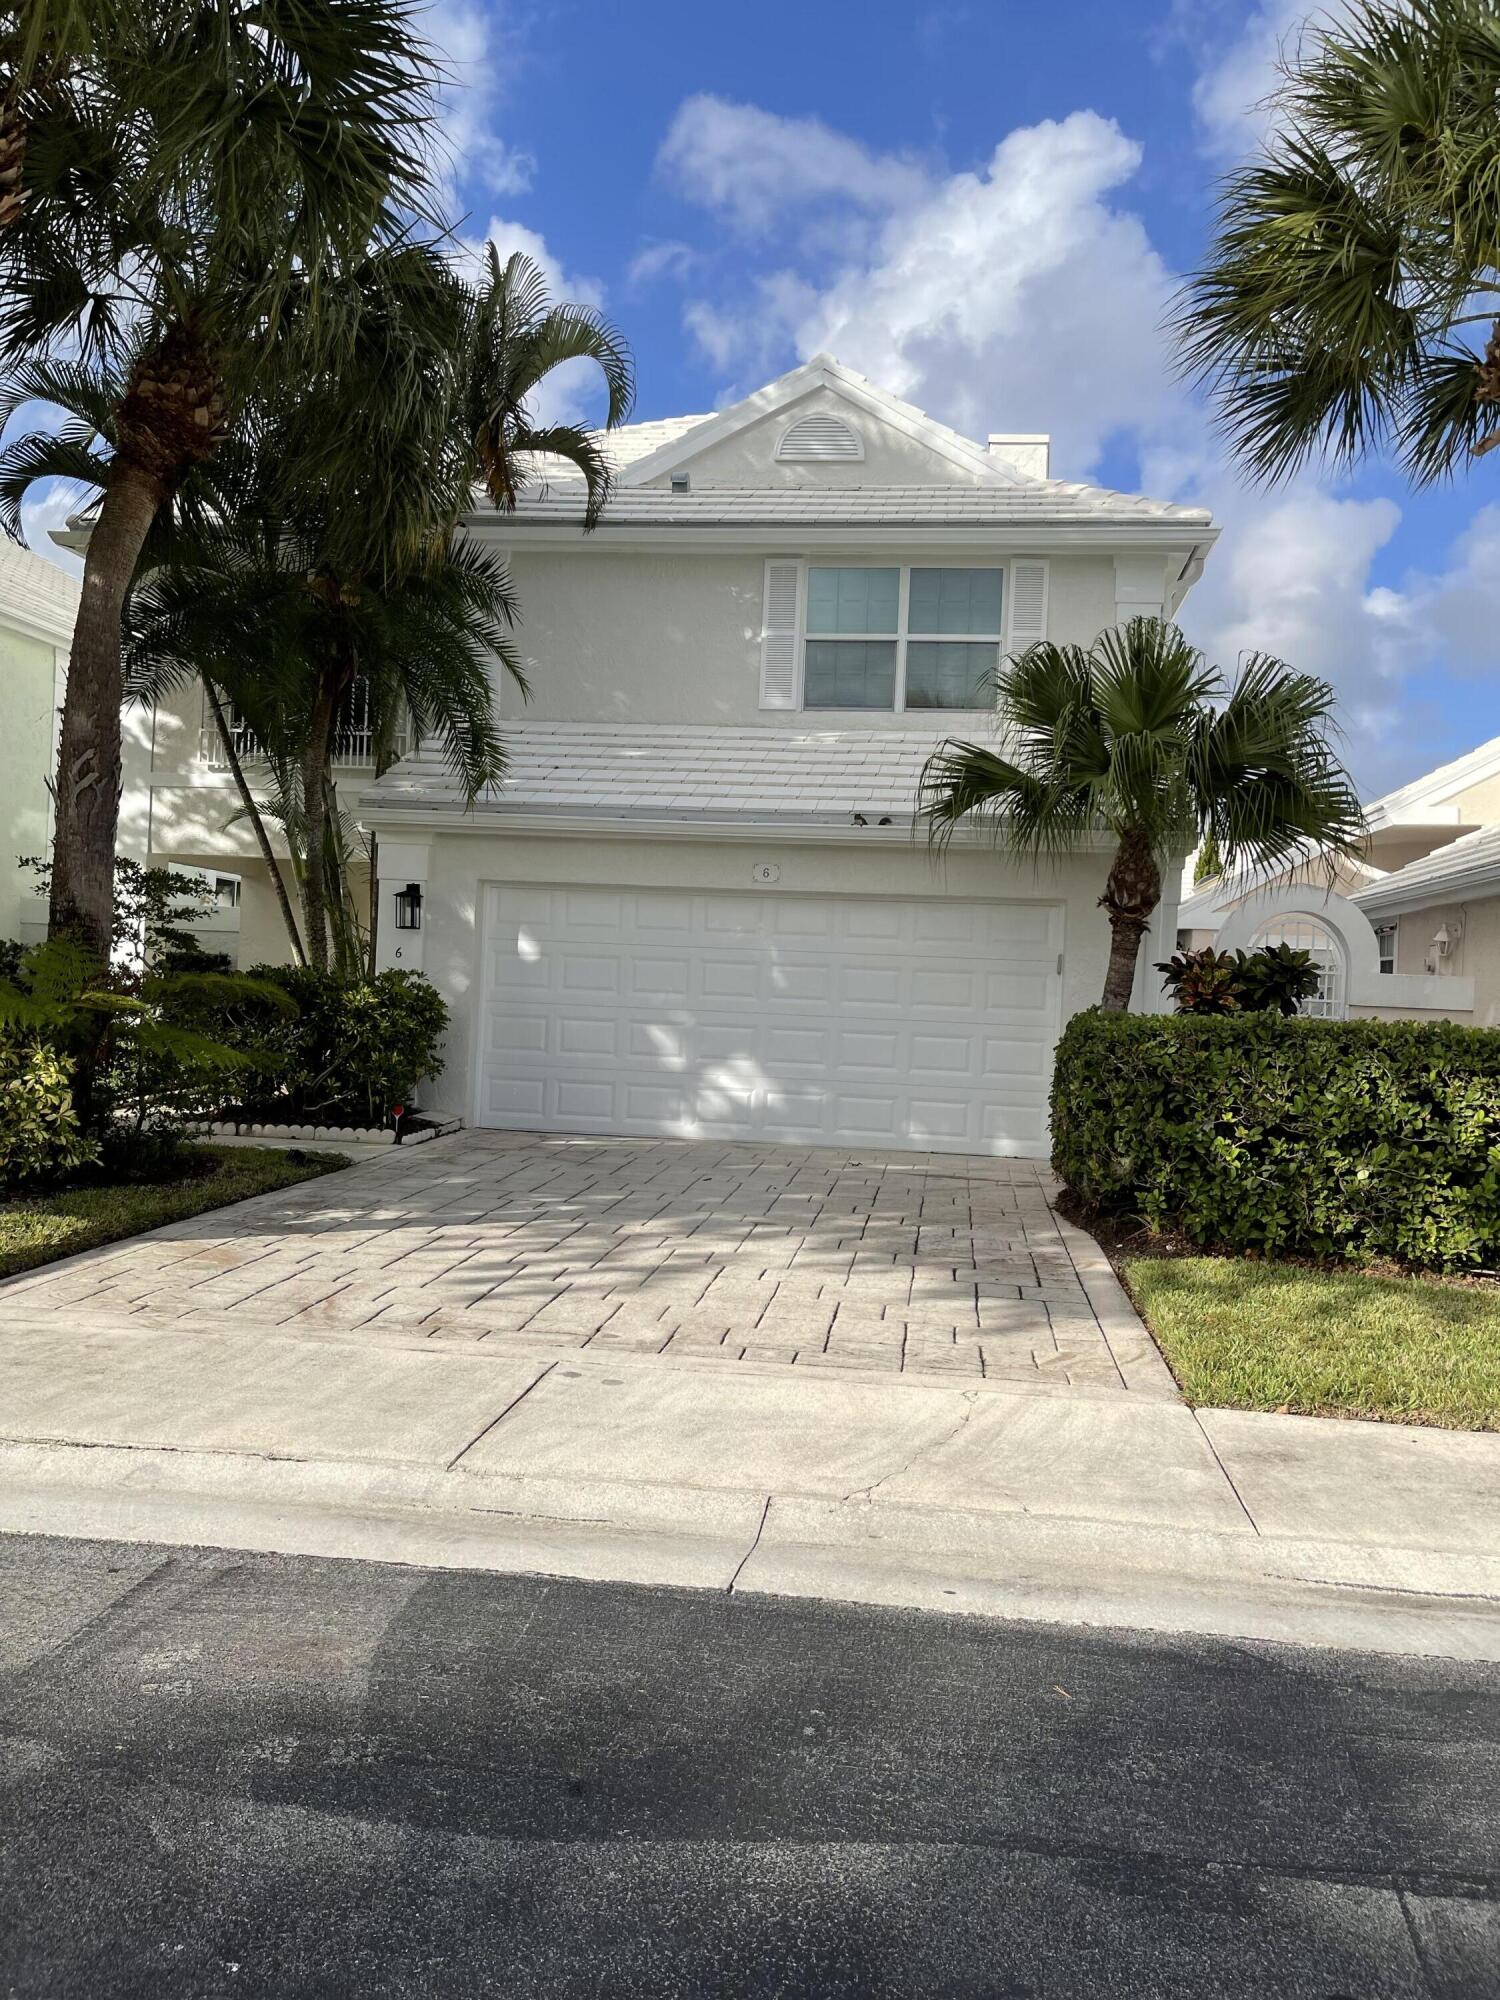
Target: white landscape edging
{"points": [[246, 1132]]}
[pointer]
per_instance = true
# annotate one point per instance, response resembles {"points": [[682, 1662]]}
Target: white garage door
{"points": [[764, 1015]]}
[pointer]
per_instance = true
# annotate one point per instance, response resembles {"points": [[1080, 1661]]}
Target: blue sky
{"points": [[984, 205]]}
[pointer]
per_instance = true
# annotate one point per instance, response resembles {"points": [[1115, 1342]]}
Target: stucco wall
{"points": [[632, 637], [461, 865], [1476, 955], [28, 675]]}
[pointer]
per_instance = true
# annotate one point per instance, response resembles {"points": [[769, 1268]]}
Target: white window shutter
{"points": [[1028, 606], [778, 639]]}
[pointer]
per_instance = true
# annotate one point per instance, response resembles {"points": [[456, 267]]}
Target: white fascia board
{"points": [[1412, 803], [54, 631], [1480, 881], [1020, 537], [821, 372], [436, 819]]}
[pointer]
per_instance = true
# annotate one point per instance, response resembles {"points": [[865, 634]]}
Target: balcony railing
{"points": [[354, 744]]}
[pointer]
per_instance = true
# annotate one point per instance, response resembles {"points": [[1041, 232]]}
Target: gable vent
{"points": [[822, 437]]}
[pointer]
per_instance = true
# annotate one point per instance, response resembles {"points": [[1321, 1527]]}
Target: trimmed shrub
{"points": [[40, 1137], [1318, 1138], [353, 1051]]}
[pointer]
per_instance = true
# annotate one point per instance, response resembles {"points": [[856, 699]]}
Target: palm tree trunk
{"points": [[252, 813], [12, 158], [88, 760], [1130, 896], [373, 941], [316, 758]]}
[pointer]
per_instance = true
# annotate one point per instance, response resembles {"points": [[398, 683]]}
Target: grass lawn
{"points": [[55, 1225], [1249, 1336]]}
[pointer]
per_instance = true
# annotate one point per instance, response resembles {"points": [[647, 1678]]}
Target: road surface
{"points": [[255, 1775]]}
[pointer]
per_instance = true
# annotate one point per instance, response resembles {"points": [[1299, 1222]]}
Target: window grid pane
{"points": [[853, 600], [951, 674], [850, 673], [955, 600]]}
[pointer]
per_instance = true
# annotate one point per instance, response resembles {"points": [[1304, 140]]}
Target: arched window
{"points": [[820, 437], [1302, 933]]}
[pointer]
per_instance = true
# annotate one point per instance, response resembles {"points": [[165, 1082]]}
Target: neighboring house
{"points": [[1437, 910], [1422, 886], [699, 905], [38, 606]]}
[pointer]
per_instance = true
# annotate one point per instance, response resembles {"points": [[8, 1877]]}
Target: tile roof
{"points": [[1041, 501], [1437, 787], [40, 591], [666, 771], [1466, 866]]}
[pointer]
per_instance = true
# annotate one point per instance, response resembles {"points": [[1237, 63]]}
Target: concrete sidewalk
{"points": [[981, 1497]]}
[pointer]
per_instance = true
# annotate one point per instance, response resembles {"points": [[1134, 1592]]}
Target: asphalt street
{"points": [[248, 1775]]}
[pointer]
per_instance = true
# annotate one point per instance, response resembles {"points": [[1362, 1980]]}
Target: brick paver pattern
{"points": [[809, 1258]]}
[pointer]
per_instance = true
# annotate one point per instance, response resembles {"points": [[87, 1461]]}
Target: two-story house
{"points": [[698, 904], [38, 606]]}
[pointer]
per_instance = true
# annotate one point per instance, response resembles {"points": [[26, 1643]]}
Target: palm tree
{"points": [[515, 338], [182, 184], [1137, 739], [1356, 253], [329, 558], [261, 621]]}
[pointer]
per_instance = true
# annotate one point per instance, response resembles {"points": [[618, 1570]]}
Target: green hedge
{"points": [[1323, 1138], [352, 1051]]}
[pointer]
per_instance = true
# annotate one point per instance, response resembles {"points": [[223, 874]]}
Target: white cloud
{"points": [[1018, 296], [752, 166], [1232, 91], [1291, 576], [660, 260], [1028, 295], [1017, 292], [1452, 617], [475, 50], [46, 507]]}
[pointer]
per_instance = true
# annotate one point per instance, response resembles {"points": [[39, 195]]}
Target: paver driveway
{"points": [[769, 1256]]}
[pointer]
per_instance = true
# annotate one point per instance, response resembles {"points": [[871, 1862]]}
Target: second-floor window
{"points": [[901, 637]]}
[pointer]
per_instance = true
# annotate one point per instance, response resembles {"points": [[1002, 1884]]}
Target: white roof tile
{"points": [[1040, 502], [41, 592], [1469, 865], [710, 774]]}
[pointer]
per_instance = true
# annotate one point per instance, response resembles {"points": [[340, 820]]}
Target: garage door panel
{"points": [[946, 987], [730, 978], [754, 1015], [1023, 992], [874, 920], [654, 978], [940, 1118], [800, 1046], [588, 1036], [942, 1055], [877, 986], [861, 1048], [591, 974]]}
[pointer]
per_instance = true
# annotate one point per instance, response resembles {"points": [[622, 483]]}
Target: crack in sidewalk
{"points": [[970, 1397], [760, 1529]]}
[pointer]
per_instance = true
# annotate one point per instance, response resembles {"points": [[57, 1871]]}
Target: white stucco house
{"points": [[38, 607], [698, 904], [1428, 887]]}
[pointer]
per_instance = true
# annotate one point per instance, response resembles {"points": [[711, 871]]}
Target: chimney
{"points": [[1025, 451]]}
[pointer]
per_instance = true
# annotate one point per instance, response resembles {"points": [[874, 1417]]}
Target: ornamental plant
{"points": [[1277, 978]]}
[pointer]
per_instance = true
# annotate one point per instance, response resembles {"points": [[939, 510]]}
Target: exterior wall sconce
{"points": [[409, 907]]}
